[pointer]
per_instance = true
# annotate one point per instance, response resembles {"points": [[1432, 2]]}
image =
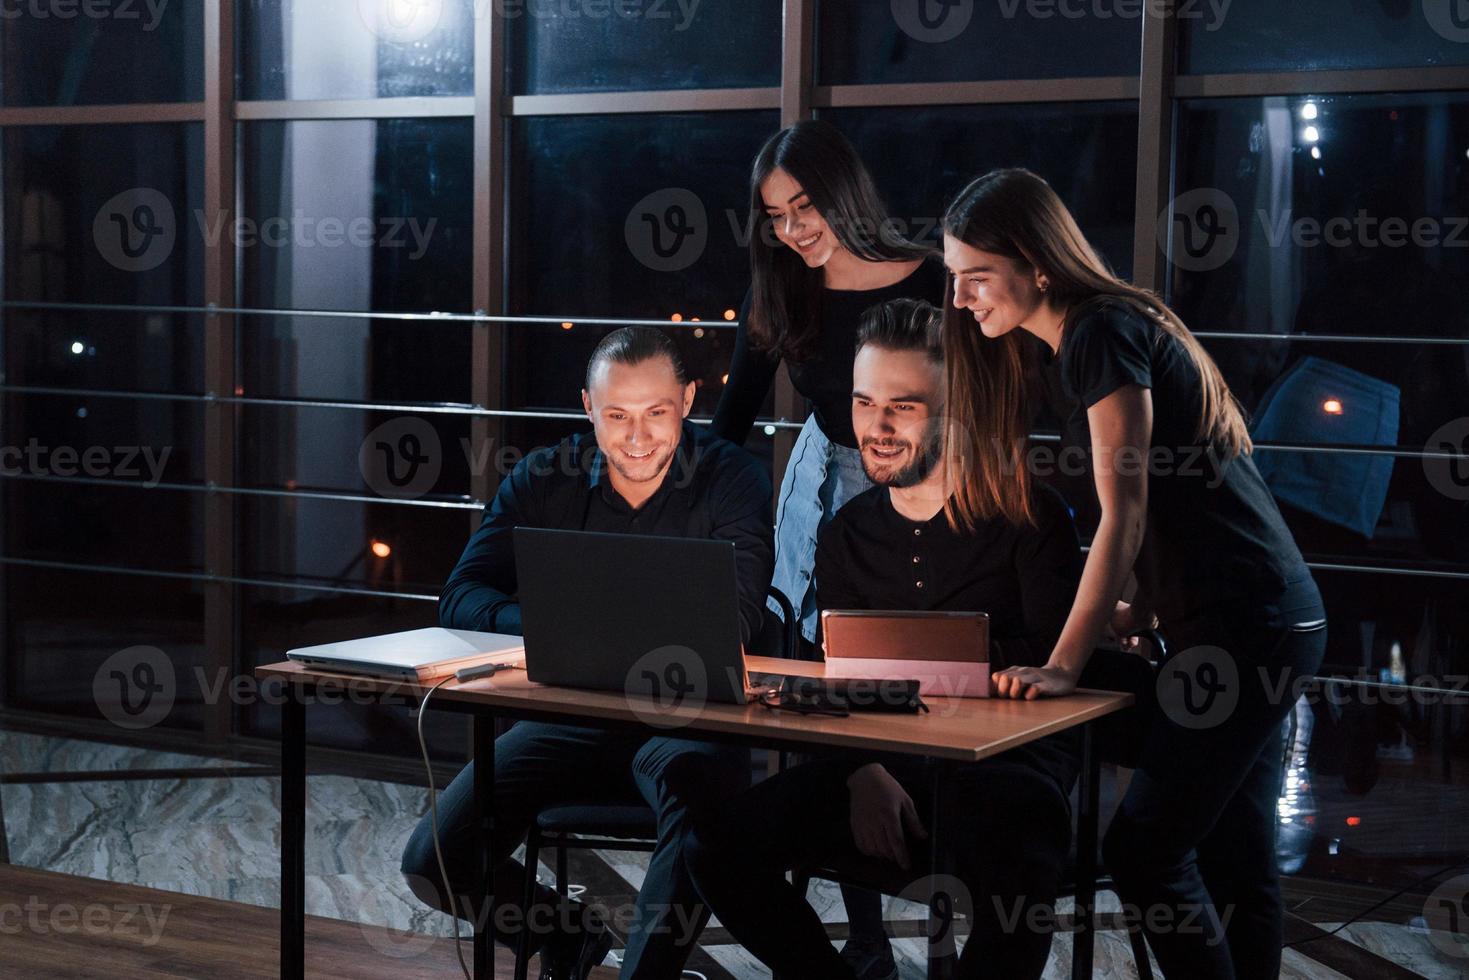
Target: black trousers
{"points": [[1192, 847], [538, 765], [1011, 840]]}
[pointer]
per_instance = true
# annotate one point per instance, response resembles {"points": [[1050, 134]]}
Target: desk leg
{"points": [[1084, 937], [483, 903], [293, 834], [942, 955]]}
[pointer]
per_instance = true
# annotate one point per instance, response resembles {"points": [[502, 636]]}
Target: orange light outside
{"points": [[677, 318], [1354, 821], [1332, 406], [566, 325], [382, 549], [729, 314]]}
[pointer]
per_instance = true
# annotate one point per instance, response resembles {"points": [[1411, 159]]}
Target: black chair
{"points": [[1118, 741], [630, 828]]}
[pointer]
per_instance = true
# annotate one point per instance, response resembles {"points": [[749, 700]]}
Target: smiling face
{"points": [[796, 221], [1000, 292], [897, 406], [637, 411]]}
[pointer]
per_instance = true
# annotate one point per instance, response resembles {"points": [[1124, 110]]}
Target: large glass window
{"points": [[1305, 35], [100, 52], [657, 229], [633, 45], [922, 157], [966, 41], [357, 49]]}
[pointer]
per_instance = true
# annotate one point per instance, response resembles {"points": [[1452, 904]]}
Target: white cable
{"points": [[433, 806]]}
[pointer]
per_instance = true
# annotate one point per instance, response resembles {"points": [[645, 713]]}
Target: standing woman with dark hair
{"points": [[1183, 508], [823, 249]]}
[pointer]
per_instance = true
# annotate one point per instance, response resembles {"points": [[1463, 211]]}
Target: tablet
{"points": [[948, 653]]}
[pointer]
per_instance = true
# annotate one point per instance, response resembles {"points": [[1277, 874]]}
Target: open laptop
{"points": [[635, 613], [413, 655], [948, 653]]}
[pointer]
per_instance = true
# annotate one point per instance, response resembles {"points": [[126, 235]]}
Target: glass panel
{"points": [[1338, 216], [338, 359], [632, 45], [964, 41], [61, 53], [356, 49], [1261, 35], [922, 157], [155, 352], [656, 231], [124, 649], [387, 547], [104, 214], [355, 215], [276, 620], [395, 455]]}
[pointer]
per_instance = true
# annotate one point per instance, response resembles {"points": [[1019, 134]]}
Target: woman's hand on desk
{"points": [[881, 812], [1034, 682]]}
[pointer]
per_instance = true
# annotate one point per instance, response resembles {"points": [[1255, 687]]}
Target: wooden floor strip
{"points": [[57, 925]]}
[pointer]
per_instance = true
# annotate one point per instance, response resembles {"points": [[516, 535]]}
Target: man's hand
{"points": [[1034, 682], [881, 812]]}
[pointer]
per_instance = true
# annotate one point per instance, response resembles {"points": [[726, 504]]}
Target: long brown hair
{"points": [[1016, 214], [785, 302]]}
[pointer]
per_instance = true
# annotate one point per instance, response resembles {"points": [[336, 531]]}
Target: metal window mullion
{"points": [[221, 638], [1154, 144], [797, 86], [491, 189]]}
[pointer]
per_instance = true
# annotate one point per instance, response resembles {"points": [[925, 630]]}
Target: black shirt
{"points": [[1025, 578], [1213, 531], [712, 489], [824, 379]]}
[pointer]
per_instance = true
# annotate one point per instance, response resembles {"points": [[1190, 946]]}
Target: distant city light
{"points": [[698, 331], [770, 430], [1354, 821], [382, 549], [77, 346], [1308, 111], [1315, 153], [82, 412], [1332, 406], [677, 318], [729, 314], [724, 379], [566, 325], [1312, 134]]}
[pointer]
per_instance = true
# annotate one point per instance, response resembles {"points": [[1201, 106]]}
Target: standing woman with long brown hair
{"points": [[823, 250], [1183, 508]]}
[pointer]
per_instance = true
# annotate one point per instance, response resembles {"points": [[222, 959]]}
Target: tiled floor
{"points": [[219, 837]]}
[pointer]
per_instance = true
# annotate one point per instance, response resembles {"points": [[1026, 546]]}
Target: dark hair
{"points": [[904, 325], [634, 345], [785, 303], [1016, 214]]}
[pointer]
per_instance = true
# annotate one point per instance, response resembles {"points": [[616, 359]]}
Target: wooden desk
{"points": [[956, 730]]}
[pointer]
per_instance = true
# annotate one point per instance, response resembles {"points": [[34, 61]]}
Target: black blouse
{"points": [[825, 378]]}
